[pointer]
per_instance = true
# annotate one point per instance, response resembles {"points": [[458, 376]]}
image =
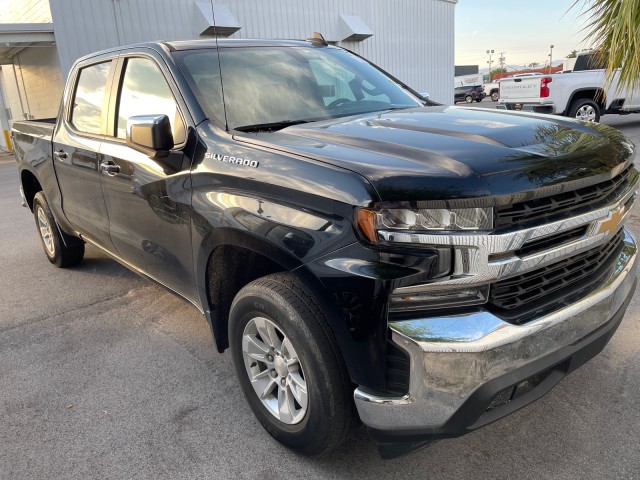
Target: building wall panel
{"points": [[83, 27], [413, 39]]}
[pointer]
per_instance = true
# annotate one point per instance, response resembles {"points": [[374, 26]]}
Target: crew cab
{"points": [[357, 247], [580, 94]]}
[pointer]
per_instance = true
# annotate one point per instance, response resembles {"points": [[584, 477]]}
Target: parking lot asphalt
{"points": [[105, 375]]}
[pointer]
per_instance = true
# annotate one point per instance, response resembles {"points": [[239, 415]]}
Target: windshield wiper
{"points": [[400, 107], [270, 127]]}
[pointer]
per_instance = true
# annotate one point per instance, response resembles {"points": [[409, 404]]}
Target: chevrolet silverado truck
{"points": [[362, 251], [580, 94]]}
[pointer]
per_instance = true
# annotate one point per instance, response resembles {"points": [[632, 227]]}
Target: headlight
{"points": [[400, 220]]}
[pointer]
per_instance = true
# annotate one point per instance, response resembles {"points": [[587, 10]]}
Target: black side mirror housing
{"points": [[150, 134]]}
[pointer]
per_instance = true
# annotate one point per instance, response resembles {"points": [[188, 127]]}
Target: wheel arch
{"points": [[595, 94], [228, 255], [228, 260], [30, 186]]}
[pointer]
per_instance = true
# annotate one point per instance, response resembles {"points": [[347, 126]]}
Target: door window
{"points": [[145, 91], [89, 98]]}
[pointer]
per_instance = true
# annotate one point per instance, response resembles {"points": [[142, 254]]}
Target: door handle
{"points": [[110, 167], [60, 154]]}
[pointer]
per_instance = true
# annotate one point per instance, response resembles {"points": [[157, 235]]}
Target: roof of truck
{"points": [[211, 43], [178, 45]]}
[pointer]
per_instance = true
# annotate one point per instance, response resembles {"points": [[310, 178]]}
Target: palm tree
{"points": [[612, 28]]}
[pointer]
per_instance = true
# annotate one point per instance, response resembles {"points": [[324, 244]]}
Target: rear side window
{"points": [[89, 99], [589, 61], [145, 91]]}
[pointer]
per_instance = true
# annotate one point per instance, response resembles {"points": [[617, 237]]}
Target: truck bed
{"points": [[41, 128], [33, 138], [33, 151]]}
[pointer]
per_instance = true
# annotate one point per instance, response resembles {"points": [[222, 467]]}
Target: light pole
{"points": [[550, 57], [489, 52]]}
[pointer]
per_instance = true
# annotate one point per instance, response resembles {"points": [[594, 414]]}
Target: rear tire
{"points": [[287, 363], [585, 109], [478, 100], [52, 243], [468, 99]]}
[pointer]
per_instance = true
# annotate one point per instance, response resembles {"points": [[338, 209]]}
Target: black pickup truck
{"points": [[358, 248]]}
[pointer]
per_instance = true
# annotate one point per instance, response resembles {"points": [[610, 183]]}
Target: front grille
{"points": [[552, 241], [539, 292], [546, 209]]}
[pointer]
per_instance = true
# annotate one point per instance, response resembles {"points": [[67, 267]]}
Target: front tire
{"points": [[468, 99], [495, 96], [287, 363], [586, 110], [52, 243]]}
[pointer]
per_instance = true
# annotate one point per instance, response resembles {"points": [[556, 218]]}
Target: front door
{"points": [[149, 205]]}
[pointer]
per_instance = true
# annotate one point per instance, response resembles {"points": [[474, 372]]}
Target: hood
{"points": [[447, 153]]}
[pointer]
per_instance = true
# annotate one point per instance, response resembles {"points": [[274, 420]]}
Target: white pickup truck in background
{"points": [[579, 94], [492, 90]]}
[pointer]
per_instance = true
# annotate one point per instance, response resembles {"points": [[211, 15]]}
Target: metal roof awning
{"points": [[353, 29], [226, 23], [15, 37]]}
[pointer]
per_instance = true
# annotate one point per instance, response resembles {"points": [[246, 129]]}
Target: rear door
{"points": [[631, 95], [632, 100], [148, 204], [76, 146]]}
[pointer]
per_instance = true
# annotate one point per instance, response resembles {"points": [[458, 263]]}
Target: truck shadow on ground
{"points": [[99, 263]]}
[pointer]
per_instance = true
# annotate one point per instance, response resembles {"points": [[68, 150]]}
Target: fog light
{"points": [[423, 297]]}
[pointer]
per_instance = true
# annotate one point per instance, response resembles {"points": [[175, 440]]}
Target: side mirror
{"points": [[150, 134], [425, 95]]}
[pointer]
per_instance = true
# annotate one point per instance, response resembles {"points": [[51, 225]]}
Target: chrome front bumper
{"points": [[452, 358]]}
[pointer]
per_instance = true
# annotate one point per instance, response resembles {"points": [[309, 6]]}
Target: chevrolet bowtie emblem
{"points": [[610, 225]]}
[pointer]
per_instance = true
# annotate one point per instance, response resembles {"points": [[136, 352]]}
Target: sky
{"points": [[523, 29]]}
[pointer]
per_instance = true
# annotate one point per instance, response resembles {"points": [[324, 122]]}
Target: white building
{"points": [[40, 39], [464, 80]]}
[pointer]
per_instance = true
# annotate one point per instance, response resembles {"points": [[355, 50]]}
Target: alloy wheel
{"points": [[586, 113], [45, 232], [274, 370]]}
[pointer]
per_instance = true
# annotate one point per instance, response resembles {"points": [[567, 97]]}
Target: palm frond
{"points": [[613, 28]]}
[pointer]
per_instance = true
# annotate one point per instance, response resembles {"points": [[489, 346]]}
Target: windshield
{"points": [[266, 88]]}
